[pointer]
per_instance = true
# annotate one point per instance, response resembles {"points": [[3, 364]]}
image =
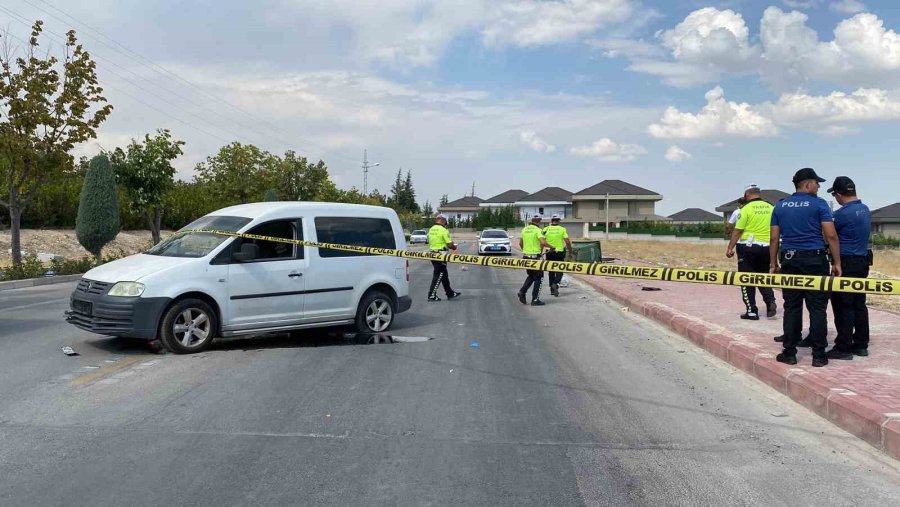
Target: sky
{"points": [[692, 99]]}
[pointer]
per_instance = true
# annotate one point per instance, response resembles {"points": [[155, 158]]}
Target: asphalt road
{"points": [[574, 403]]}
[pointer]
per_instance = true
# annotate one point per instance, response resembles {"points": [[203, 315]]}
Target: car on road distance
{"points": [[195, 286], [418, 236], [494, 241]]}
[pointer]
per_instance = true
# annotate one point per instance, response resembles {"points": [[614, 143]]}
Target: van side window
{"points": [[272, 250], [371, 232]]}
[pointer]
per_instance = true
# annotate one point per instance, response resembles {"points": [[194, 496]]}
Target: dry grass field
{"points": [[685, 255], [63, 242]]}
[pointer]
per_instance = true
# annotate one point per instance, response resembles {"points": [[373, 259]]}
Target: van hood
{"points": [[135, 267]]}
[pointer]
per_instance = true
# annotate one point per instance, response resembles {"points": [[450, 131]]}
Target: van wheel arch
{"points": [[206, 298], [385, 288]]}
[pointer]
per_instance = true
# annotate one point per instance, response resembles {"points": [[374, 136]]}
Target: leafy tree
{"points": [[396, 197], [145, 172], [186, 202], [444, 201], [299, 180], [238, 173], [47, 106], [378, 197], [427, 210], [98, 220], [271, 196]]}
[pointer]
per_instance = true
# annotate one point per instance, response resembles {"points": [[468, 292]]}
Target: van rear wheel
{"points": [[188, 326], [375, 313]]}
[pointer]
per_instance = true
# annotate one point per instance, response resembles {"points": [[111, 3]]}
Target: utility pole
{"points": [[607, 216], [366, 166]]}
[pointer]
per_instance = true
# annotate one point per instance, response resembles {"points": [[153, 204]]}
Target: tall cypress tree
{"points": [[98, 220]]}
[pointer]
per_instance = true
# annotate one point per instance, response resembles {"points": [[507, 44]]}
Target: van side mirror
{"points": [[249, 251]]}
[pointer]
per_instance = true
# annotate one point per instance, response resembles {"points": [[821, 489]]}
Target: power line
{"points": [[133, 55], [61, 40]]}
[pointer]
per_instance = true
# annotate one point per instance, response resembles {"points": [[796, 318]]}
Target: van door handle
{"points": [[295, 275]]}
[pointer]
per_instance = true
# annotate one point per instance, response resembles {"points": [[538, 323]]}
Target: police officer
{"points": [[439, 241], [751, 236], [804, 223], [532, 244], [853, 222], [558, 237]]}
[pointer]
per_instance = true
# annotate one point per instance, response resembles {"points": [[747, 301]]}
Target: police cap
{"points": [[807, 173], [842, 185]]}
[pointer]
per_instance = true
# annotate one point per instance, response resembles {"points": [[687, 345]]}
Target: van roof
{"points": [[285, 209]]}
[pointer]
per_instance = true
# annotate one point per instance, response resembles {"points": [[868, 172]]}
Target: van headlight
{"points": [[127, 289]]}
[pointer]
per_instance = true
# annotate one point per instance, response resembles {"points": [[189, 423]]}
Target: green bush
{"points": [[30, 267], [72, 267], [882, 240], [98, 220]]}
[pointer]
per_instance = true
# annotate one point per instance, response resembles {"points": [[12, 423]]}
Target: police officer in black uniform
{"points": [[804, 224], [853, 222]]}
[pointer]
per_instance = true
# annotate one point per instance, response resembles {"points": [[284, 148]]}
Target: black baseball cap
{"points": [[807, 173], [842, 185]]}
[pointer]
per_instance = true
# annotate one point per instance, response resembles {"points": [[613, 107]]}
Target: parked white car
{"points": [[494, 241], [418, 236], [190, 288]]}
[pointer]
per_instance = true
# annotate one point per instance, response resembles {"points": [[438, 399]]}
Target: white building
{"points": [[546, 202]]}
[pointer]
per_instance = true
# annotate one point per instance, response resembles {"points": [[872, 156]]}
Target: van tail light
{"points": [[407, 270]]}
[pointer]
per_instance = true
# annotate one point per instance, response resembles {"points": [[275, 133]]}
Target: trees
{"points": [[270, 196], [238, 173], [444, 201], [44, 115], [403, 196], [98, 220], [299, 180], [427, 210], [145, 172]]}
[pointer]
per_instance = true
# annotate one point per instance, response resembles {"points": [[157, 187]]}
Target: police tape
{"points": [[887, 286]]}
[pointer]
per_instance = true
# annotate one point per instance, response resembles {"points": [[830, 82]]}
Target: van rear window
{"points": [[357, 231]]}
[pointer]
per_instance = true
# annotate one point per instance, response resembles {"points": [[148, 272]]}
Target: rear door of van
{"points": [[338, 277]]}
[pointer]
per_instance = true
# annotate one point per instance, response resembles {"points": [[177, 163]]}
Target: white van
{"points": [[190, 288]]}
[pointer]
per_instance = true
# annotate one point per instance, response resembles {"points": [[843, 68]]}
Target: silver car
{"points": [[494, 241], [418, 236]]}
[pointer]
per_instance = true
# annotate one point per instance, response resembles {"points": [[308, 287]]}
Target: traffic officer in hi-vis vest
{"points": [[558, 237], [804, 224], [751, 236], [533, 244], [439, 241], [853, 222]]}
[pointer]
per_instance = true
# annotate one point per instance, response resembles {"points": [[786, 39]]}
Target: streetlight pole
{"points": [[366, 166]]}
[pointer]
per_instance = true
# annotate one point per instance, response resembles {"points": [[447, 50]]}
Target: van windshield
{"points": [[198, 244]]}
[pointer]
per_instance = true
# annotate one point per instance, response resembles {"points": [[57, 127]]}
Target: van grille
{"points": [[92, 286]]}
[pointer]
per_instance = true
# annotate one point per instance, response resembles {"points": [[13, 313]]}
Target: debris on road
{"points": [[69, 351], [474, 345], [625, 309], [648, 288], [779, 414]]}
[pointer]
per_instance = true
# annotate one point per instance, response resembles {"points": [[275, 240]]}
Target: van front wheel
{"points": [[188, 326], [375, 313]]}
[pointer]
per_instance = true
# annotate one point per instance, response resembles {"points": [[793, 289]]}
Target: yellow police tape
{"points": [[886, 286]]}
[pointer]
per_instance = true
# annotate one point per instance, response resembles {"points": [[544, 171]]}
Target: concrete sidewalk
{"points": [[861, 396]]}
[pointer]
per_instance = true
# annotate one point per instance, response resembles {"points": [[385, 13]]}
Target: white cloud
{"points": [[614, 48], [708, 43], [530, 138], [835, 113], [718, 119], [801, 4], [676, 154], [530, 23], [863, 52], [847, 6], [607, 150], [709, 36]]}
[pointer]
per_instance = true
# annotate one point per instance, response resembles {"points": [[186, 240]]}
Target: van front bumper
{"points": [[136, 317]]}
